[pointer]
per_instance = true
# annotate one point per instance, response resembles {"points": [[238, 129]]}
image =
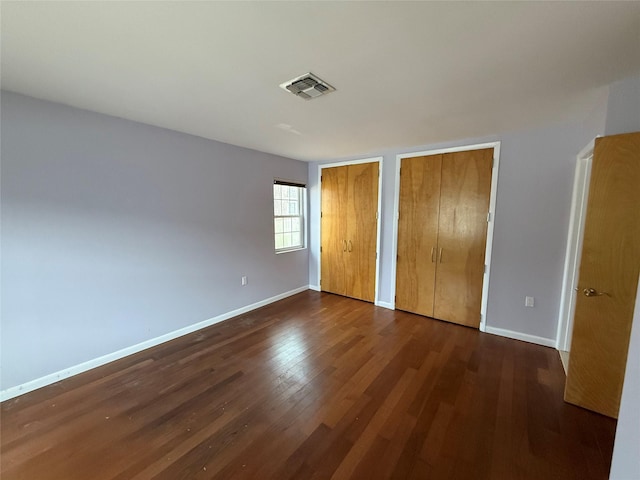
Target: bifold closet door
{"points": [[462, 235], [333, 231], [442, 231], [361, 209], [418, 234], [349, 204]]}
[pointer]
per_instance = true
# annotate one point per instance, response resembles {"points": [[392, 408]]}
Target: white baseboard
{"points": [[547, 342], [315, 288], [12, 392], [388, 305]]}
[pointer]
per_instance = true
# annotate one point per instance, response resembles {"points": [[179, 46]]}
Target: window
{"points": [[288, 215]]}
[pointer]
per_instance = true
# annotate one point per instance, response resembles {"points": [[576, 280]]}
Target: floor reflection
{"points": [[289, 356]]}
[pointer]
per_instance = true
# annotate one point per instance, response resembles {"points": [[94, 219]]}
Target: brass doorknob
{"points": [[592, 292]]}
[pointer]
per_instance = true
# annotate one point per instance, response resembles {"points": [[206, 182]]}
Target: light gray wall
{"points": [[623, 112], [531, 221], [115, 232], [625, 464]]}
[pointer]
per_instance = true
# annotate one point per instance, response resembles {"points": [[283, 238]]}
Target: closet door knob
{"points": [[592, 292], [433, 250], [350, 246], [344, 248], [441, 255]]}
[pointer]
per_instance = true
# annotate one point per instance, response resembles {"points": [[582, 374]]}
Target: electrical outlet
{"points": [[244, 280], [528, 301]]}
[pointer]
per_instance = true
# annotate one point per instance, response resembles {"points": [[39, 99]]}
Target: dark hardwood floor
{"points": [[315, 386]]}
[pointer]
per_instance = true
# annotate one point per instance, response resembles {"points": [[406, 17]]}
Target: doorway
{"points": [[350, 203], [434, 254]]}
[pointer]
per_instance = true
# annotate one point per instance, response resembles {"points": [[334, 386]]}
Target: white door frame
{"points": [[378, 215], [492, 209], [574, 247]]}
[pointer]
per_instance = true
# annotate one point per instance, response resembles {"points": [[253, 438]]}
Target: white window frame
{"points": [[302, 207]]}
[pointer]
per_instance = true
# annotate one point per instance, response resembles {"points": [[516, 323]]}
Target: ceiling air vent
{"points": [[307, 86]]}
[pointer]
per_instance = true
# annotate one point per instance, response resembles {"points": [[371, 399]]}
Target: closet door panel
{"points": [[333, 230], [361, 205], [462, 232], [418, 233]]}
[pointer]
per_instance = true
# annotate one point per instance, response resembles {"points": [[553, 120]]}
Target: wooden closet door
{"points": [[362, 206], [462, 233], [608, 279], [418, 233], [333, 223]]}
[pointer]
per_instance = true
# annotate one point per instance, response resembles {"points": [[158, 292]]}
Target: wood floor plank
{"points": [[315, 386]]}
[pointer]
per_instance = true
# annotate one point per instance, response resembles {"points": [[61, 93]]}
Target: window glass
{"points": [[288, 214]]}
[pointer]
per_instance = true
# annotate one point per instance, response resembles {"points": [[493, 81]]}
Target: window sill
{"points": [[278, 252]]}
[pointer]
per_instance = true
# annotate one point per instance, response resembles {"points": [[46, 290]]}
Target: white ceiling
{"points": [[406, 73]]}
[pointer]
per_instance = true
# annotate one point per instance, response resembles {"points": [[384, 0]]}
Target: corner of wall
{"points": [[623, 108]]}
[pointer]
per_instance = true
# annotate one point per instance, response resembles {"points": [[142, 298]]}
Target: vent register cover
{"points": [[307, 86]]}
